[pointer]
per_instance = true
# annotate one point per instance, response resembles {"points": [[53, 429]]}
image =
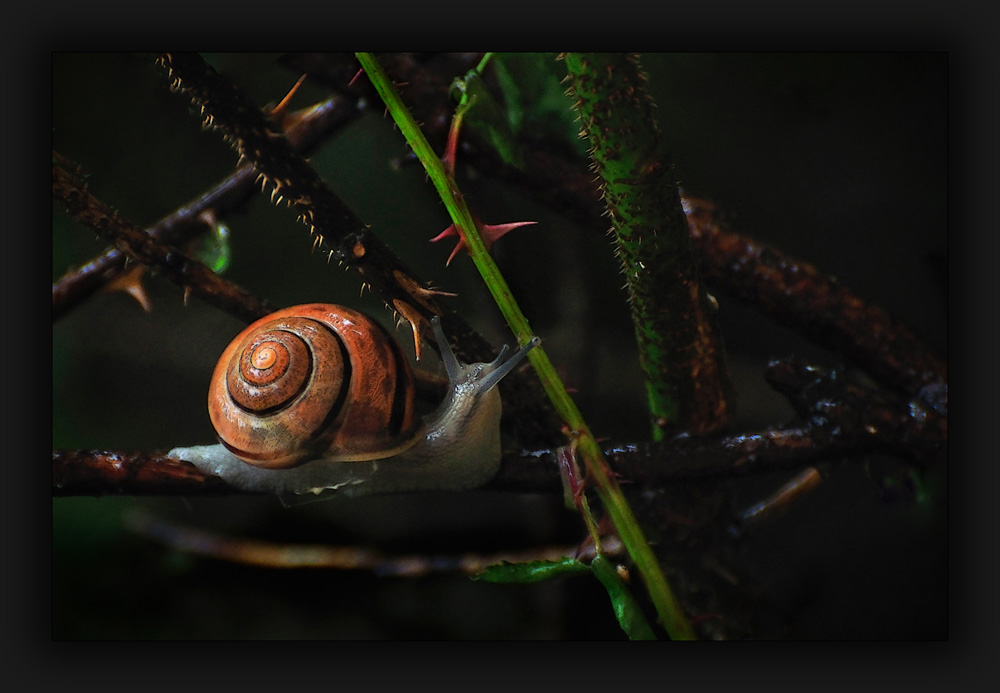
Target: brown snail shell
{"points": [[315, 380]]}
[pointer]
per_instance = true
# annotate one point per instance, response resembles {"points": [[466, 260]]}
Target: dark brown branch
{"points": [[109, 472], [102, 473], [797, 294], [843, 419], [143, 248]]}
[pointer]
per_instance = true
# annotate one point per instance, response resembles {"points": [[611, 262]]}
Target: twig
{"points": [[797, 294], [297, 556], [777, 503], [104, 472], [141, 247]]}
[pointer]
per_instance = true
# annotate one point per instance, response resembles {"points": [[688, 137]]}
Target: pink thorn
{"points": [[448, 160], [450, 231], [494, 232], [491, 233]]}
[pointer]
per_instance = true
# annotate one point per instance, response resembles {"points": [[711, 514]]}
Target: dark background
{"points": [[840, 160]]}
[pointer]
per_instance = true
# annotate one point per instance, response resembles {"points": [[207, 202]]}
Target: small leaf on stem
{"points": [[533, 571]]}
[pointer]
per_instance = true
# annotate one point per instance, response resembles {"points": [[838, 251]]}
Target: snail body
{"points": [[320, 397]]}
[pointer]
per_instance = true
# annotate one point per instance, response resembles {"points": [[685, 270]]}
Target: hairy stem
{"points": [[681, 354]]}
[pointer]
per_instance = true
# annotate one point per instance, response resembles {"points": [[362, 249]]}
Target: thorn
{"points": [[448, 160], [131, 283], [420, 294], [491, 233], [416, 320], [450, 231], [278, 113]]}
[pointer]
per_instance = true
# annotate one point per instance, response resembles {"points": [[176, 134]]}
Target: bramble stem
{"points": [[598, 473], [687, 378]]}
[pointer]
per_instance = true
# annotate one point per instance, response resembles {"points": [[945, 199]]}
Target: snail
{"points": [[320, 397]]}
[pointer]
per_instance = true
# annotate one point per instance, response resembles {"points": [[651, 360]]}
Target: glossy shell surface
{"points": [[313, 381]]}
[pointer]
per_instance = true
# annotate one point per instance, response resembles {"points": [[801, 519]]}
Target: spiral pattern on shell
{"points": [[313, 381]]}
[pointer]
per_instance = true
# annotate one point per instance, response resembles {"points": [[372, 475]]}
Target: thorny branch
{"points": [[136, 244], [333, 224], [841, 418], [304, 132], [799, 295]]}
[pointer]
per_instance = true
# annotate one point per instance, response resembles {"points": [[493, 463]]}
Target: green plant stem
{"points": [[483, 62], [668, 609], [687, 379]]}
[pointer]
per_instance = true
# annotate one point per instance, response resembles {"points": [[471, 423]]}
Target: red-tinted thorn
{"points": [[448, 160], [491, 233]]}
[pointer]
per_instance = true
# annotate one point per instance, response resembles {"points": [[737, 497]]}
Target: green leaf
{"points": [[536, 99], [213, 248], [627, 611], [483, 114], [533, 571]]}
